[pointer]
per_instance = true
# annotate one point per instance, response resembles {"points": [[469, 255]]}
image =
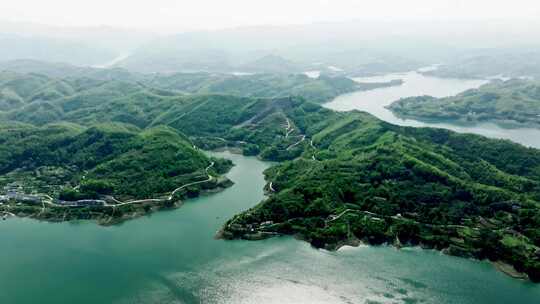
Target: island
{"points": [[514, 102]]}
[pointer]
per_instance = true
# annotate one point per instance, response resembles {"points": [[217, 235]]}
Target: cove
{"points": [[172, 257]]}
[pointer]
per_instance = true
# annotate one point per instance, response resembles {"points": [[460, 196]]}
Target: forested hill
{"points": [[514, 101], [39, 99], [35, 84], [105, 159], [347, 176], [342, 176], [321, 89], [352, 177]]}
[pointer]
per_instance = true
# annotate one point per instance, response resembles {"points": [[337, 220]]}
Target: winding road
{"points": [[289, 129], [149, 200], [157, 200], [297, 143]]}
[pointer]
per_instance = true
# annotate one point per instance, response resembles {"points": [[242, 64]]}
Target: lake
{"points": [[172, 257], [416, 84]]}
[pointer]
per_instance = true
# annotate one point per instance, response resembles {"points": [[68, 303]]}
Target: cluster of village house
{"points": [[14, 192]]}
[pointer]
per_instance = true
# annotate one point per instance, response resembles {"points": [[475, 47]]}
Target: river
{"points": [[416, 84], [172, 257]]}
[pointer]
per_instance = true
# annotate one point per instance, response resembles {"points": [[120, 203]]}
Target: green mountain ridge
{"points": [[341, 177], [421, 186], [139, 100]]}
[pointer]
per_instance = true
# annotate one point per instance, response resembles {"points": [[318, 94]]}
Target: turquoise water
{"points": [[172, 257]]}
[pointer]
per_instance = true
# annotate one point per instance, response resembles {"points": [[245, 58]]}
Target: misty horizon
{"points": [[257, 151], [165, 16]]}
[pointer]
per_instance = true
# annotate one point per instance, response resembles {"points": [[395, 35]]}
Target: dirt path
{"points": [[271, 187], [288, 129], [297, 143], [158, 200]]}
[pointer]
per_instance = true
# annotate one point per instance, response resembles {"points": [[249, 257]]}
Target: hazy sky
{"points": [[211, 14]]}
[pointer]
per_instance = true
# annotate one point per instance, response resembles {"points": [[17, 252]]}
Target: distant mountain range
{"points": [[50, 49], [356, 48], [40, 92]]}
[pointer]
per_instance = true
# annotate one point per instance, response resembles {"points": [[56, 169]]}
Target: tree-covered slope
{"points": [[362, 179], [23, 82], [113, 159], [320, 89], [91, 98], [514, 101], [95, 101], [18, 90], [275, 128], [342, 176]]}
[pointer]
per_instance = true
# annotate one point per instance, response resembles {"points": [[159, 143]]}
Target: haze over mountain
{"points": [[79, 46], [361, 45], [173, 16], [320, 124]]}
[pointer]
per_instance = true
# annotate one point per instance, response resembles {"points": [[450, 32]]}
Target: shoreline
{"points": [[111, 221], [233, 150], [503, 124], [509, 270], [355, 242], [499, 265]]}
